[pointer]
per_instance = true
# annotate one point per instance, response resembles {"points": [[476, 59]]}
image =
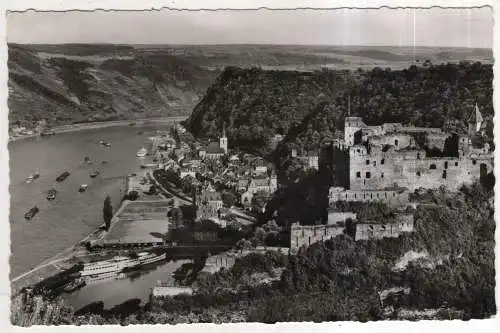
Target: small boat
{"points": [[31, 213], [83, 188], [87, 160], [51, 194], [104, 162], [62, 177], [142, 152], [94, 174], [32, 177], [105, 143], [140, 133]]}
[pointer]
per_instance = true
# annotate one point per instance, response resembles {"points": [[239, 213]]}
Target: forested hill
{"points": [[256, 104], [93, 82]]}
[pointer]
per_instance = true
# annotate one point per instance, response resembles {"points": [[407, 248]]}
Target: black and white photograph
{"points": [[265, 166]]}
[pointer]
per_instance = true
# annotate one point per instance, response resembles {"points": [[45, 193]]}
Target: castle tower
{"points": [[223, 140], [475, 121]]}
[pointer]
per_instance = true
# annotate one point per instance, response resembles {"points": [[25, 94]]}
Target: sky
{"points": [[395, 27]]}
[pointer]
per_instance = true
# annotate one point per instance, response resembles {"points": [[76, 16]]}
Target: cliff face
{"points": [[121, 83]]}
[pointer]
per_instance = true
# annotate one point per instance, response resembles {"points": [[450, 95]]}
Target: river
{"points": [[117, 291], [72, 215]]}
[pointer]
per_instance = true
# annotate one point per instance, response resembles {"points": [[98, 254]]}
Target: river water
{"points": [[72, 215], [116, 291]]}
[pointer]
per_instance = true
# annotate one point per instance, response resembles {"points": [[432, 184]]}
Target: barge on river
{"points": [[62, 177], [106, 269]]}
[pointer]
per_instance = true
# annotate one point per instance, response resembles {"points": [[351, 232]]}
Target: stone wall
{"points": [[394, 197], [310, 234], [336, 217], [404, 224]]}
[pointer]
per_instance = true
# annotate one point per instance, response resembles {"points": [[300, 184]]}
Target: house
{"points": [[246, 198], [188, 172], [242, 185], [266, 184]]}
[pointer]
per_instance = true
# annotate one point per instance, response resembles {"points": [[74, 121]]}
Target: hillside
{"points": [[99, 84], [286, 102], [256, 104]]}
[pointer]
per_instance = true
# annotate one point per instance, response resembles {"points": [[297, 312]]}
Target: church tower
{"points": [[475, 121], [223, 139]]}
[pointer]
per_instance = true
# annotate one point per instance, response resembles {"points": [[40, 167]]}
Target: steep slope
{"points": [[65, 89]]}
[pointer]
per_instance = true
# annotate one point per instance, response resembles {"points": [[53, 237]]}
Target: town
{"points": [[203, 201]]}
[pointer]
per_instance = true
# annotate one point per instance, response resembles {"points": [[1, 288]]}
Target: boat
{"points": [[83, 188], [74, 285], [32, 177], [142, 152], [87, 160], [51, 194], [31, 213], [107, 267], [104, 162], [105, 143], [94, 174], [145, 258], [140, 133], [62, 177]]}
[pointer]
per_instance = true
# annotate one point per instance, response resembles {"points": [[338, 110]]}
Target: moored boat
{"points": [[51, 194], [62, 177], [83, 188], [142, 152], [32, 177], [145, 258], [111, 266], [31, 213], [105, 143], [87, 160], [94, 174]]}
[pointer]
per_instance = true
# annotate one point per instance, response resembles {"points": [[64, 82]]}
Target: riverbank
{"points": [[103, 124]]}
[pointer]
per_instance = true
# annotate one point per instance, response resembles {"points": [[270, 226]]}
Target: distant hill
{"points": [[80, 83]]}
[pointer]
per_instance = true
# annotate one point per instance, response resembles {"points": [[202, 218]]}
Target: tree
{"points": [[228, 198], [107, 212]]}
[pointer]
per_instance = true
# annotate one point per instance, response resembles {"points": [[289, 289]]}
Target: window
{"points": [[396, 142], [474, 162], [382, 175], [358, 174], [368, 174], [374, 163], [418, 156], [382, 161], [432, 166], [446, 165], [418, 173], [444, 174], [367, 162]]}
